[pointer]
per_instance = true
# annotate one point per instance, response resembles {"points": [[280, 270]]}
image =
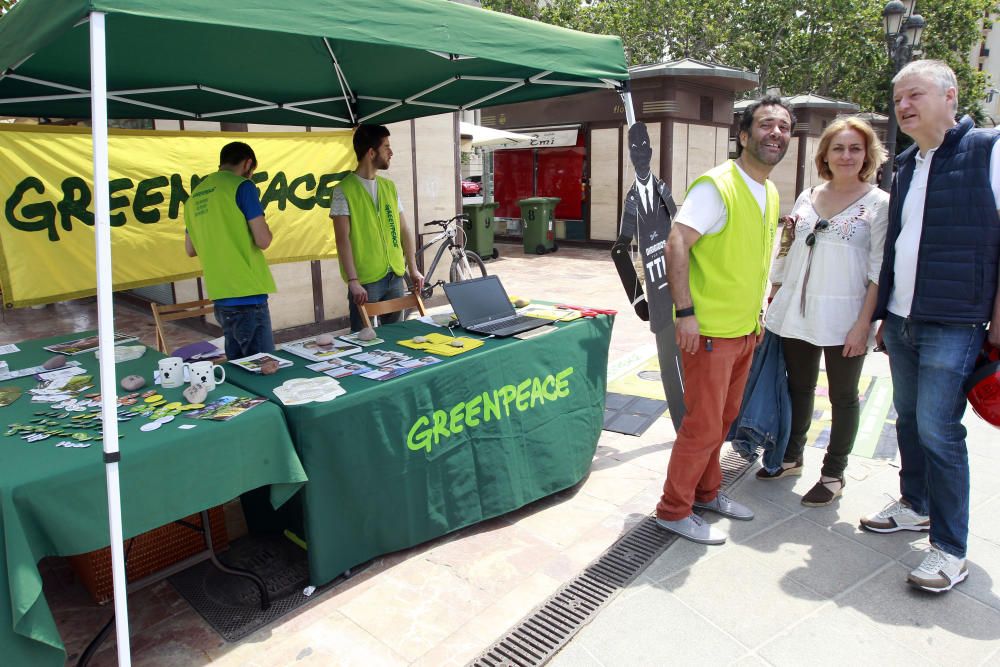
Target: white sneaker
{"points": [[939, 572], [693, 527], [726, 506], [896, 516]]}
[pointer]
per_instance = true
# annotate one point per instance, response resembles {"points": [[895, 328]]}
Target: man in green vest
{"points": [[374, 244], [718, 259], [227, 231]]}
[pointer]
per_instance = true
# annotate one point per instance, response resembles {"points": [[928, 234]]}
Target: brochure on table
{"points": [[254, 362], [86, 344], [354, 340], [308, 348], [338, 368]]}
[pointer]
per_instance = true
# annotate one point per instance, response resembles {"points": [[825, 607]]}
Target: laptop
{"points": [[483, 307]]}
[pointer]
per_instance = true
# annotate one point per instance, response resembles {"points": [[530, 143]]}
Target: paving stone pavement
{"points": [[795, 585], [801, 584]]}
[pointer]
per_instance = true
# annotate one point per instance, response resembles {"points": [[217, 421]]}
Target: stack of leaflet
{"points": [[441, 345], [308, 390], [549, 313]]}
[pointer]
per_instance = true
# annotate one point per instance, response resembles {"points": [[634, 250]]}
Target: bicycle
{"points": [[465, 264]]}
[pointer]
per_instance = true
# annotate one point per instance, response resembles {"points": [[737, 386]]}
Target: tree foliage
{"points": [[952, 31], [834, 48]]}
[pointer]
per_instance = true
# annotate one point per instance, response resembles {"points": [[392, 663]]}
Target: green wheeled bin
{"points": [[479, 229], [539, 224]]}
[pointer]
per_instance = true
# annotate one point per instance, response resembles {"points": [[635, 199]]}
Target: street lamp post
{"points": [[903, 28]]}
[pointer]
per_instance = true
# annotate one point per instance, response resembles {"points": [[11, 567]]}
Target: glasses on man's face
{"points": [[820, 226]]}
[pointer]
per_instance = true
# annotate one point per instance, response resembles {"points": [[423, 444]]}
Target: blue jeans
{"points": [[390, 287], [929, 363], [247, 329]]}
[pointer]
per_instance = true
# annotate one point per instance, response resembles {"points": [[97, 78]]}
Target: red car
{"points": [[470, 188]]}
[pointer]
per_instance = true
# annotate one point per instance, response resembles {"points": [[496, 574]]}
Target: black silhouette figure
{"points": [[646, 218]]}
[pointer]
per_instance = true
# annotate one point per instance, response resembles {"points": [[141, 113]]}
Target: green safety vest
{"points": [[375, 232], [232, 263], [728, 270]]}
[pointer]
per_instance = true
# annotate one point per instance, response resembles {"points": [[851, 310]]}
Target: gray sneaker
{"points": [[896, 516], [726, 506], [939, 572], [694, 528]]}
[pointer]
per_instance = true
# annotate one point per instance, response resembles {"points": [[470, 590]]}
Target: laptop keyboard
{"points": [[503, 324]]}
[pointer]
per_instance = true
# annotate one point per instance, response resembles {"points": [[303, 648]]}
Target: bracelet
{"points": [[351, 280], [685, 312]]}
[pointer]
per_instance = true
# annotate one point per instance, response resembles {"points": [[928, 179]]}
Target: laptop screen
{"points": [[478, 301]]}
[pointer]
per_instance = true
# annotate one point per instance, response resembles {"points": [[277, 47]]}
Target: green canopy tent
{"points": [[293, 63], [297, 62]]}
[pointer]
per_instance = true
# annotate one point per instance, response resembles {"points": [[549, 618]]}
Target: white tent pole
{"points": [[106, 325]]}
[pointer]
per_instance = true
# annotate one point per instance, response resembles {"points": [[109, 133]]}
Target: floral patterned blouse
{"points": [[823, 286]]}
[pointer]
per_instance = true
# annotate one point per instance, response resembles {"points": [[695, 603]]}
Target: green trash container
{"points": [[479, 229], [539, 226]]}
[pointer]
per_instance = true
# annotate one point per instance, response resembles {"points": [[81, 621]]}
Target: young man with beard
{"points": [[718, 258], [374, 244], [937, 290]]}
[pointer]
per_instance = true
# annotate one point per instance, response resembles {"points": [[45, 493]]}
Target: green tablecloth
{"points": [[381, 481], [53, 501]]}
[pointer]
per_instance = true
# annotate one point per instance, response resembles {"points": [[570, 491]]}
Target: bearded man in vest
{"points": [[374, 244], [227, 231], [718, 258], [937, 291]]}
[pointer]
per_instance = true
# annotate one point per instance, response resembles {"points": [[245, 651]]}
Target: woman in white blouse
{"points": [[824, 294]]}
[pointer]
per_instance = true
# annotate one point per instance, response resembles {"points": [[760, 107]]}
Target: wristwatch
{"points": [[685, 312]]}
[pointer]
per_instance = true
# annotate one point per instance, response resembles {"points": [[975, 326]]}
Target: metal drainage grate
{"points": [[540, 634], [733, 466]]}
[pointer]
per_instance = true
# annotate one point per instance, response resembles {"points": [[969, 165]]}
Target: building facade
{"points": [[686, 105]]}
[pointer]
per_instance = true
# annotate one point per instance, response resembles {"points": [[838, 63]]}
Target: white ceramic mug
{"points": [[171, 372], [205, 374]]}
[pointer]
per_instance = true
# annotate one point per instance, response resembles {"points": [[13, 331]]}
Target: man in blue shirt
{"points": [[227, 230]]}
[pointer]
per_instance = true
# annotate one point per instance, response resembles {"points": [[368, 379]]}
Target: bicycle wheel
{"points": [[476, 268]]}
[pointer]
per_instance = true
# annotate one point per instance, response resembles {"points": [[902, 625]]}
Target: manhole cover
{"points": [[652, 376]]}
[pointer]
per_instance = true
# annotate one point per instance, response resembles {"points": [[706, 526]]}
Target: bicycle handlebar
{"points": [[444, 223]]}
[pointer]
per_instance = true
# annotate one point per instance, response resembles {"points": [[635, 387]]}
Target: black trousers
{"points": [[844, 373]]}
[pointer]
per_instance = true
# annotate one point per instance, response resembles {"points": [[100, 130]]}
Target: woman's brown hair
{"points": [[875, 153]]}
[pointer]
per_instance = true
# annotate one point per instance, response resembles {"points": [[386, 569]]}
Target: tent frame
{"points": [[348, 96], [99, 96]]}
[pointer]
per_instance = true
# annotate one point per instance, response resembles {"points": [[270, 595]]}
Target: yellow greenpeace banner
{"points": [[46, 186]]}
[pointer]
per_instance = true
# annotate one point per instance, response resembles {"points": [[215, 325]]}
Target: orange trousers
{"points": [[714, 378]]}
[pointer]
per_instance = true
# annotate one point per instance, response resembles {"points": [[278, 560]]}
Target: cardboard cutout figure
{"points": [[646, 218]]}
